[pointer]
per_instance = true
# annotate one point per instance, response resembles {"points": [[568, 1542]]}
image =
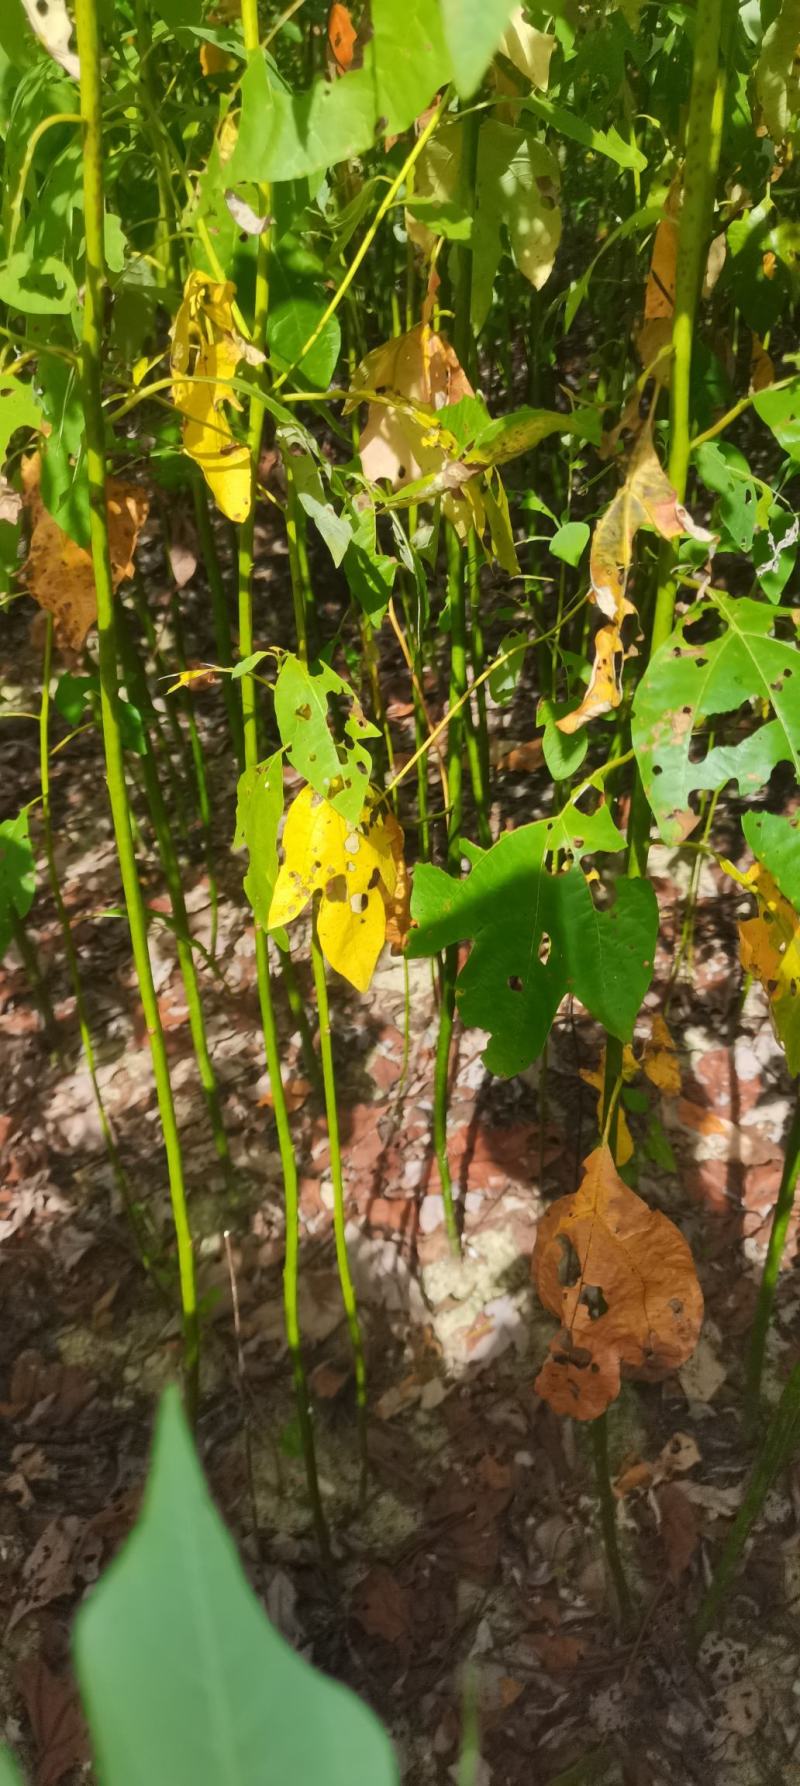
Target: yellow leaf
{"points": [[58, 572], [770, 949], [528, 49], [646, 499], [205, 354], [762, 367], [214, 60], [660, 1061], [596, 1076], [421, 369], [355, 872]]}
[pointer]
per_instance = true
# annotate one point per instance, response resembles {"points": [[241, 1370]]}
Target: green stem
{"points": [[780, 1443], [291, 1265], [455, 778], [86, 25], [337, 1177], [134, 675], [608, 1518], [200, 777], [772, 1265]]}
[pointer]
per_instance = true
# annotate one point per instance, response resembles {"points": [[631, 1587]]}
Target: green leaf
{"points": [[658, 1147], [17, 874], [259, 806], [510, 435], [725, 470], [284, 135], [339, 771], [503, 681], [9, 1772], [602, 142], [536, 936], [780, 409], [570, 542], [44, 287], [18, 409], [185, 1680], [517, 181], [370, 573], [775, 841], [289, 326], [16, 36], [473, 29], [563, 751], [775, 551], [686, 683], [776, 74]]}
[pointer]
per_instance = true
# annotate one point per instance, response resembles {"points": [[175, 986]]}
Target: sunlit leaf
{"points": [[353, 868], [770, 949], [629, 1302], [517, 184], [206, 352], [337, 767], [59, 574], [660, 1059], [776, 76], [259, 806]]}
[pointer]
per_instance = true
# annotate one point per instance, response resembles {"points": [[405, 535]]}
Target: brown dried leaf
{"points": [[621, 1278], [420, 368], [660, 1061], [680, 1532], [769, 945], [56, 1721], [59, 573], [381, 1606]]}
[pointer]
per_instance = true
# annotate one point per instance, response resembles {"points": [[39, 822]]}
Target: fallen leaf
{"points": [[352, 868], [621, 1279], [680, 1532], [58, 573], [56, 1721], [49, 1572], [205, 354], [558, 1653], [381, 1606], [660, 1061]]}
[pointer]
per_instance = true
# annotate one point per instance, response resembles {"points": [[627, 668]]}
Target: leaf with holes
{"points": [[337, 768], [205, 354], [750, 659], [537, 936], [620, 1278], [17, 875], [353, 868], [259, 805]]}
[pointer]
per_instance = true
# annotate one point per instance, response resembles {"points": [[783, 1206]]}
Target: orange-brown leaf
{"points": [[419, 368], [58, 572], [342, 36], [620, 1277], [604, 689], [660, 1060]]}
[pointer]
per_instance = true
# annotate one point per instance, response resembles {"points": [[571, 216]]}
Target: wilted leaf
{"points": [[646, 499], [621, 1280], [50, 21], [422, 369], [529, 50], [337, 769], [352, 867], [655, 331], [777, 75], [770, 950], [205, 354], [660, 1061], [58, 573], [686, 683], [762, 366]]}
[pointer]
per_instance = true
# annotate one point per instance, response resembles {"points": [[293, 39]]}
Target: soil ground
{"points": [[477, 1557]]}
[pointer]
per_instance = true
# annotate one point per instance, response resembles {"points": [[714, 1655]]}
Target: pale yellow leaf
{"points": [[355, 872]]}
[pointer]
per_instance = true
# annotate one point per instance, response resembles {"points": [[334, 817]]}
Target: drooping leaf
{"points": [[655, 331], [646, 499], [769, 945], [353, 868], [422, 370], [259, 806], [748, 659], [17, 874], [725, 470], [242, 1705], [528, 49], [517, 185], [660, 1059], [473, 30], [342, 36], [776, 75], [537, 936], [59, 574], [596, 1078], [205, 354], [620, 1278], [602, 142], [337, 769], [775, 551]]}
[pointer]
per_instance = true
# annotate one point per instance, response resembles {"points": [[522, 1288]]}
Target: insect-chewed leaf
{"points": [[354, 869], [620, 1278], [747, 657], [646, 499], [17, 874], [775, 842], [770, 949], [58, 572], [660, 1060], [537, 936], [205, 354], [339, 772], [259, 805]]}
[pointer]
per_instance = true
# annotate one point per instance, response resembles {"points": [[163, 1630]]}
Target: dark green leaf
{"points": [[563, 751]]}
